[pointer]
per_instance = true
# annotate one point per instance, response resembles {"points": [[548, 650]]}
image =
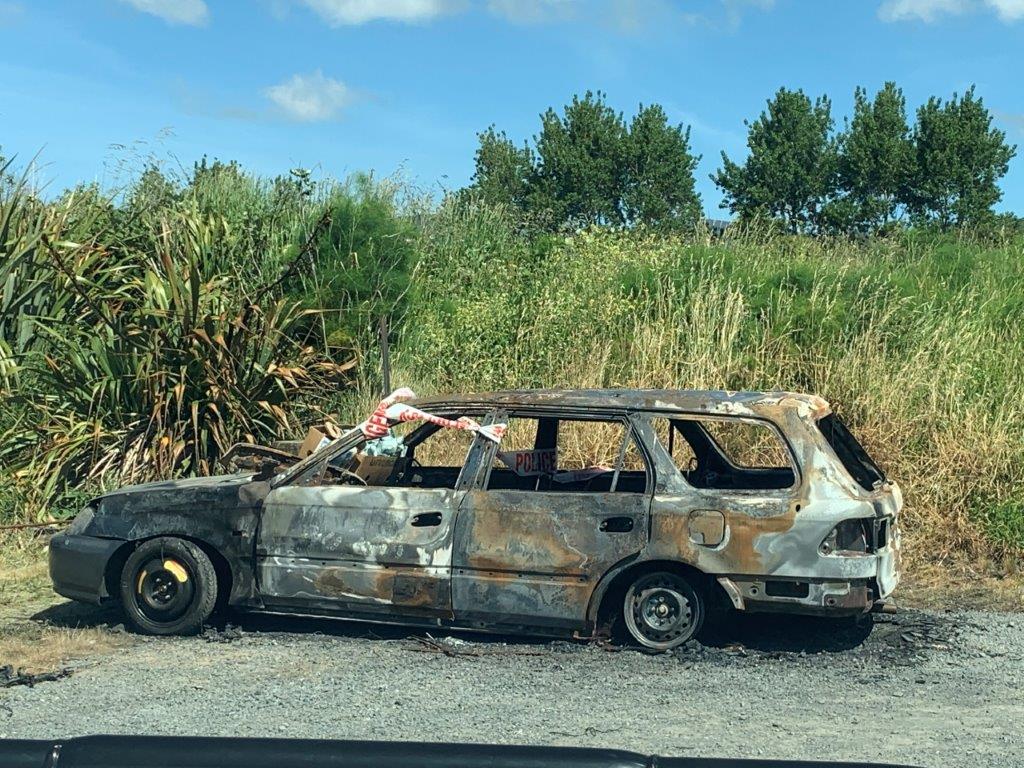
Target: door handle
{"points": [[426, 520], [617, 524]]}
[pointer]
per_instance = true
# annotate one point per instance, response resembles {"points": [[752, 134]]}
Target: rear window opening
{"points": [[727, 453], [851, 453]]}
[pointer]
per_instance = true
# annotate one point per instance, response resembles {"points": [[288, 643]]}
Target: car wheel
{"points": [[168, 587], [662, 610]]}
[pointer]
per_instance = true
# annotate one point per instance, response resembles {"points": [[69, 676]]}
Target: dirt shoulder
{"points": [[41, 632]]}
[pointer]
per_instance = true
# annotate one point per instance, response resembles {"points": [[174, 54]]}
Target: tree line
{"points": [[589, 166]]}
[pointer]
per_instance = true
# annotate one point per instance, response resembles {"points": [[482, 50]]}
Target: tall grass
{"points": [[917, 342], [143, 334]]}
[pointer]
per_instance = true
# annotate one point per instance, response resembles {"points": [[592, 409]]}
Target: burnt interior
{"points": [[616, 464], [709, 466], [619, 474], [624, 474]]}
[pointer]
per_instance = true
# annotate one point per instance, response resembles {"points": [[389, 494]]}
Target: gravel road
{"points": [[918, 688]]}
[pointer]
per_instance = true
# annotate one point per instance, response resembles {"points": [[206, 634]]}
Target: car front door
{"points": [[551, 514], [364, 549]]}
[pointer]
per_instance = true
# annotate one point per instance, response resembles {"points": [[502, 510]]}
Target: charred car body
{"points": [[559, 512]]}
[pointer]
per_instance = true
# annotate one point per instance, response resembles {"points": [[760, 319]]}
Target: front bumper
{"points": [[78, 566]]}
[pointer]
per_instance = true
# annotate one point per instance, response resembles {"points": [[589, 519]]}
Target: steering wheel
{"points": [[346, 474]]}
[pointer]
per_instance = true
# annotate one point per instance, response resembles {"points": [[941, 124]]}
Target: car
{"points": [[556, 512], [247, 752]]}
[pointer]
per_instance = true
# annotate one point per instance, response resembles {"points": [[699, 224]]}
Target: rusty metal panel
{"points": [[771, 532], [366, 548], [535, 557], [707, 527]]}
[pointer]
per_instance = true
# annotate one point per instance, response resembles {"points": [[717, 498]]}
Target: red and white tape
{"points": [[391, 410]]}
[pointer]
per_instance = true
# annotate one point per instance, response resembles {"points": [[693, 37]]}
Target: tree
{"points": [[504, 172], [659, 185], [960, 158], [791, 169], [590, 168], [581, 163], [876, 159], [364, 260]]}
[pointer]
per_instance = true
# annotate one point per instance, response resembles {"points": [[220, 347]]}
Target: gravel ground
{"points": [[918, 688]]}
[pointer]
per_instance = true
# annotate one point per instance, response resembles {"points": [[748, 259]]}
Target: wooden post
{"points": [[385, 356]]}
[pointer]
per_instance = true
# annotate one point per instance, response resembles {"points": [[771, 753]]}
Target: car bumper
{"points": [[814, 597], [78, 566]]}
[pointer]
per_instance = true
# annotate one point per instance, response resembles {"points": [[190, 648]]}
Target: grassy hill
{"points": [[917, 340], [140, 349]]}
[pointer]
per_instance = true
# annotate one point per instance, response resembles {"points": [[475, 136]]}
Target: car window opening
{"points": [[410, 455], [851, 453], [559, 455], [727, 453]]}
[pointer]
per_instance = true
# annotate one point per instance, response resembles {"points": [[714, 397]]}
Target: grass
{"points": [[916, 338], [39, 644]]}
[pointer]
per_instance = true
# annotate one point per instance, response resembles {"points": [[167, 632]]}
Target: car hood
{"points": [[189, 497], [183, 484]]}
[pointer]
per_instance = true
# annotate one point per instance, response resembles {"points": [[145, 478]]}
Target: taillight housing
{"points": [[850, 537]]}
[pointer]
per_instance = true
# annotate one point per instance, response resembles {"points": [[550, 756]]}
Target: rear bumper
{"points": [[78, 566], [814, 597]]}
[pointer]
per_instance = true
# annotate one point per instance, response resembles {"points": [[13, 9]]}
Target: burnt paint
{"points": [[364, 547], [539, 555], [221, 512], [535, 559]]}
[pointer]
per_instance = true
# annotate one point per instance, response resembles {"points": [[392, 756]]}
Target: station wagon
{"points": [[548, 511]]}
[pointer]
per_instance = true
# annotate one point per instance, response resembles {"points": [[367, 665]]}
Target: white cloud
{"points": [[192, 12], [925, 10], [310, 98], [339, 13], [1008, 10], [533, 11], [931, 10]]}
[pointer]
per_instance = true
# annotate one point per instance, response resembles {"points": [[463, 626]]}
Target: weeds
{"points": [[143, 336]]}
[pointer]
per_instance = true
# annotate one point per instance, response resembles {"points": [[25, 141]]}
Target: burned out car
{"points": [[542, 511]]}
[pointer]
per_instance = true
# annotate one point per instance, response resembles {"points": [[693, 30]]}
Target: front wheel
{"points": [[168, 587], [663, 610]]}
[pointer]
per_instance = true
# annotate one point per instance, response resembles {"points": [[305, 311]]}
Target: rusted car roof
{"points": [[699, 400]]}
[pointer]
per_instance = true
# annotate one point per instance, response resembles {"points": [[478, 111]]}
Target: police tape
{"points": [[393, 410]]}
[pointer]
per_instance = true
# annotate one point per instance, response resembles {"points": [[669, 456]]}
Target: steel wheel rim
{"points": [[160, 593], [659, 612]]}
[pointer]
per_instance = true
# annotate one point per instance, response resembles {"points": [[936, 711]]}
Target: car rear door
{"points": [[529, 550]]}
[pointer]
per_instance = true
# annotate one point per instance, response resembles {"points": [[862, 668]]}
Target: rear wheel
{"points": [[663, 610], [168, 587]]}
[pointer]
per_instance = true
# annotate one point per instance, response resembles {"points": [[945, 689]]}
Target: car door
{"points": [[529, 549], [710, 511], [359, 549]]}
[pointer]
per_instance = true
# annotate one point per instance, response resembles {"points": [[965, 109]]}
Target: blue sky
{"points": [[403, 86]]}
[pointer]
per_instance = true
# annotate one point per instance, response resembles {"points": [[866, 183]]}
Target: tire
{"points": [[663, 610], [168, 587]]}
